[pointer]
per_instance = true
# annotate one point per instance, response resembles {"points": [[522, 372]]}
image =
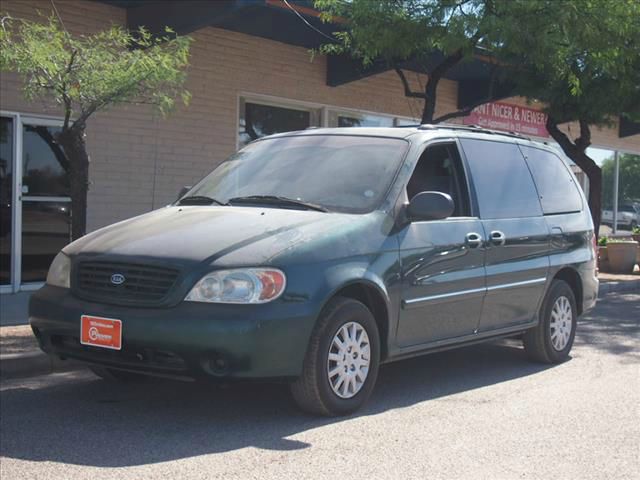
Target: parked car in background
{"points": [[628, 216], [313, 257]]}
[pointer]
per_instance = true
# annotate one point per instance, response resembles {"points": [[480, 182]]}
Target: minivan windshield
{"points": [[328, 172]]}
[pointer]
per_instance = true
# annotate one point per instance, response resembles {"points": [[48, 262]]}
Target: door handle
{"points": [[498, 238], [473, 239]]}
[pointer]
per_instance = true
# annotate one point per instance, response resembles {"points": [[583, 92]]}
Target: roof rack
{"points": [[470, 128]]}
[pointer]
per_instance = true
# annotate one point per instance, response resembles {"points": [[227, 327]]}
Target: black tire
{"points": [[538, 341], [312, 390], [120, 376]]}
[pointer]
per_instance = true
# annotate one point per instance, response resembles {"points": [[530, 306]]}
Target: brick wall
{"points": [[140, 160]]}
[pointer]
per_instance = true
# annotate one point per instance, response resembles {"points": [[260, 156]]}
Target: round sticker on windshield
{"points": [[368, 193]]}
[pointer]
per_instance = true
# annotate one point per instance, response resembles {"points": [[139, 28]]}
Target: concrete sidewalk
{"points": [[13, 308], [20, 355]]}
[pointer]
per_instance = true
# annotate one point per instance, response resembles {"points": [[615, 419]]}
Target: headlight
{"points": [[59, 271], [245, 285]]}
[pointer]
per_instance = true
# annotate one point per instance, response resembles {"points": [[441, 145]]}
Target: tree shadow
{"points": [[614, 327]]}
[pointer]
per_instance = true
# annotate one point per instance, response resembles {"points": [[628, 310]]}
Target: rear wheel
{"points": [[341, 364], [552, 339], [114, 375]]}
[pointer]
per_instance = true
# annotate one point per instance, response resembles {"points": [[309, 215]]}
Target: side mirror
{"points": [[183, 191], [430, 206]]}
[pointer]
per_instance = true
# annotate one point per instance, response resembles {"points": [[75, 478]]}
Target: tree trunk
{"points": [[576, 151], [429, 110], [431, 88], [594, 174], [75, 148]]}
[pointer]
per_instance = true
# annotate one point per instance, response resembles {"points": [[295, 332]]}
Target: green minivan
{"points": [[314, 257]]}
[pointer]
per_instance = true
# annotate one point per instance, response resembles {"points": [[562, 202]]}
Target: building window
{"points": [[351, 119], [259, 119], [356, 119]]}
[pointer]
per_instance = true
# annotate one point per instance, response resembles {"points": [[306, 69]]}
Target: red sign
{"points": [[510, 118], [101, 332]]}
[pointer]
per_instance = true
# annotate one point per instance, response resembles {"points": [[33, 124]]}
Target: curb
{"points": [[618, 287], [31, 364]]}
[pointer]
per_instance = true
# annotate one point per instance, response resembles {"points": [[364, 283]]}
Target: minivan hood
{"points": [[195, 234]]}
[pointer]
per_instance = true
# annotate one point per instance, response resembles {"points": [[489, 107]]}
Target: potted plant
{"points": [[603, 258], [622, 255]]}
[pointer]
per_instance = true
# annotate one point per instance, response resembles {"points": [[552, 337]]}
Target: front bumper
{"points": [[193, 340]]}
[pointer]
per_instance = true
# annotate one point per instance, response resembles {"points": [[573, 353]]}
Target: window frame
{"points": [[564, 164], [474, 193], [466, 184]]}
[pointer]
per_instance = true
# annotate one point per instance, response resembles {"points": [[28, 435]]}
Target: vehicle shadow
{"points": [[86, 421], [91, 422]]}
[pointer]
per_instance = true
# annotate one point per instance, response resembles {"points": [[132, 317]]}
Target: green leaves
{"points": [[89, 73], [580, 57], [401, 29]]}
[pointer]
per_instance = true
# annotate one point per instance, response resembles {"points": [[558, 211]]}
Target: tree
{"points": [[435, 35], [580, 58], [584, 66], [629, 184], [87, 74]]}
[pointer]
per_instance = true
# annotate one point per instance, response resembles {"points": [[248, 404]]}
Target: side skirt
{"points": [[458, 342]]}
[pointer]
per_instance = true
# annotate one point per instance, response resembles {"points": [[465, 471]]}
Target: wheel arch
{"points": [[375, 299], [572, 277]]}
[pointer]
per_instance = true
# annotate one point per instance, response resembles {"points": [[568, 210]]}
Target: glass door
{"points": [[46, 215], [7, 152], [35, 216]]}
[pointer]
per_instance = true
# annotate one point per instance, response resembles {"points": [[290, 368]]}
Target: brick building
{"points": [[250, 67]]}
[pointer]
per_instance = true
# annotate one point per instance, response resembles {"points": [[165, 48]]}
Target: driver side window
{"points": [[439, 169]]}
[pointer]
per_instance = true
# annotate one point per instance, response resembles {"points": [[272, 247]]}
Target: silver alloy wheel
{"points": [[561, 323], [348, 360]]}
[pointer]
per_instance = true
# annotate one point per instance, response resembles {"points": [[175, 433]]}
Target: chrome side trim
{"points": [[444, 296], [524, 283]]}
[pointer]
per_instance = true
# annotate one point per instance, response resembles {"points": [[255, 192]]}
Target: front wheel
{"points": [[552, 339], [341, 364]]}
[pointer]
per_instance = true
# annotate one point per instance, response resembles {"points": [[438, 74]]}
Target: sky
{"points": [[599, 154]]}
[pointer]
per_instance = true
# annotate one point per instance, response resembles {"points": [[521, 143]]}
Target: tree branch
{"points": [[449, 62], [559, 136], [584, 140], [466, 111], [405, 84], [65, 96], [460, 113]]}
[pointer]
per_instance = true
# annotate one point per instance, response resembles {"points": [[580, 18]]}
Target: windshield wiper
{"points": [[276, 200], [199, 200]]}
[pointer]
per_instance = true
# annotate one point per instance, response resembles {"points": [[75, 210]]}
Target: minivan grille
{"points": [[123, 283]]}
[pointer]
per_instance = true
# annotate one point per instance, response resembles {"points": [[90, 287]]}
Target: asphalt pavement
{"points": [[480, 412]]}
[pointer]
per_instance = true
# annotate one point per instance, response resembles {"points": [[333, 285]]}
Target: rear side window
{"points": [[556, 187], [503, 184]]}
